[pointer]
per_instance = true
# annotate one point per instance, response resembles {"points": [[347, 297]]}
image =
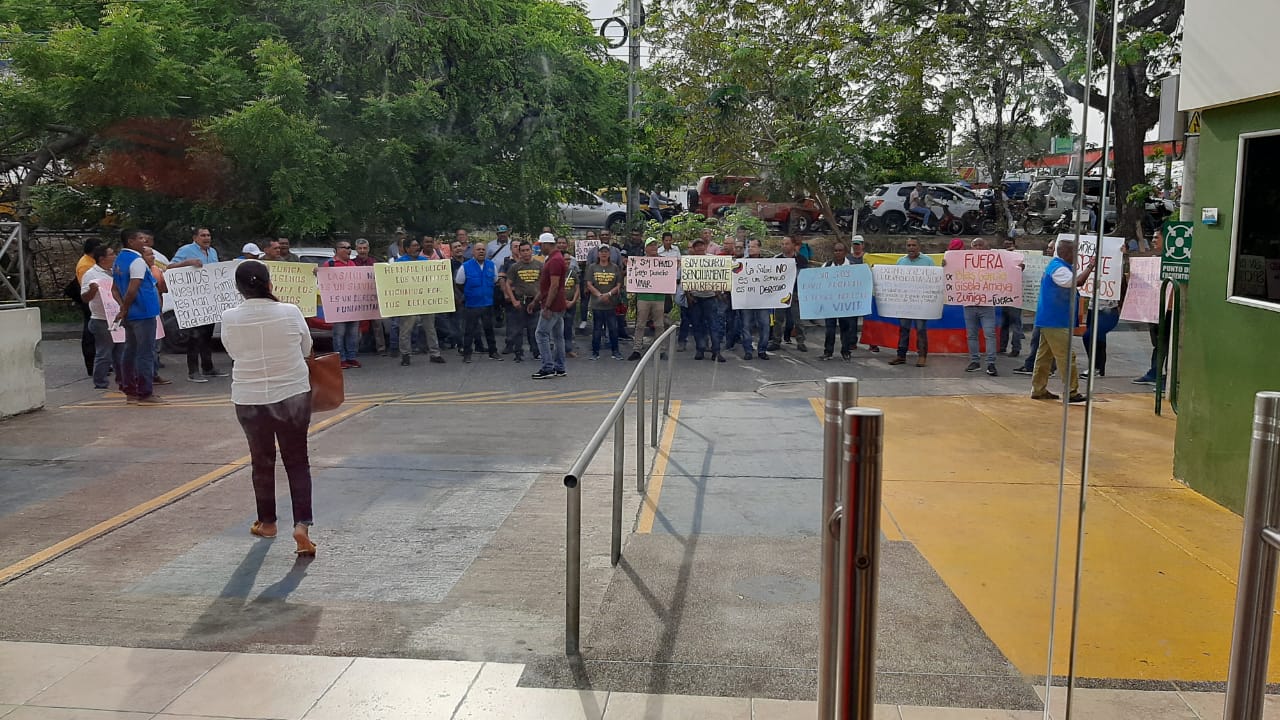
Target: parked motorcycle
{"points": [[948, 224]]}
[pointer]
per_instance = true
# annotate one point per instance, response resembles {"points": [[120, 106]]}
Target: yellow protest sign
{"points": [[295, 283], [418, 287]]}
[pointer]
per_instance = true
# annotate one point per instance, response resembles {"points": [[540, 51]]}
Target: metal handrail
{"points": [[614, 419]]}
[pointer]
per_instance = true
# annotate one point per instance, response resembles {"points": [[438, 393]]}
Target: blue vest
{"points": [[477, 292], [146, 304], [1054, 307]]}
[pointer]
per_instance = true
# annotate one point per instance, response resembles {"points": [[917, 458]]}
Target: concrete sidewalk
{"points": [[81, 682]]}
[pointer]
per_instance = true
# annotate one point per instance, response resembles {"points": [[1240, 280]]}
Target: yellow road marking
{"points": [[52, 552], [649, 508], [888, 523]]}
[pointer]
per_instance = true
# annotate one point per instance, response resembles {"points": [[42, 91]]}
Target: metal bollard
{"points": [[619, 459], [859, 564], [1255, 597], [841, 393], [573, 567]]}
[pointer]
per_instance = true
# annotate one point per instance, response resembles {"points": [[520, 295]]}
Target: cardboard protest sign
{"points": [[585, 250], [983, 277], [1142, 299], [910, 292], [420, 287], [1109, 272], [111, 308], [652, 274], [763, 283], [295, 283], [706, 273], [1035, 263], [200, 294], [348, 293], [836, 291]]}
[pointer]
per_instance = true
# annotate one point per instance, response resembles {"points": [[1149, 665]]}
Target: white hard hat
{"points": [[546, 238]]}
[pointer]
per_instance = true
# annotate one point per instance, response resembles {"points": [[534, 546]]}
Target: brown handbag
{"points": [[325, 371]]}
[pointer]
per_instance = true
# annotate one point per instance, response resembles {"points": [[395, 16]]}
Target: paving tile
{"points": [[766, 709], [394, 689], [131, 679], [5, 709], [532, 704], [1099, 704], [498, 676], [28, 668], [1210, 705], [261, 686], [632, 706], [910, 712], [29, 712]]}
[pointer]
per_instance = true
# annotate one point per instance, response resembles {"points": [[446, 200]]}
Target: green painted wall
{"points": [[1229, 351]]}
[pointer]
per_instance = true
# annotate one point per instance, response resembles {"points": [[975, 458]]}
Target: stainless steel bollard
{"points": [[640, 479], [572, 567], [1255, 596], [859, 564], [619, 459], [841, 393]]}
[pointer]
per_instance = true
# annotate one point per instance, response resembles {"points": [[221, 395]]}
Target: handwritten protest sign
{"points": [[706, 273], [836, 291], [585, 250], [652, 274], [1142, 300], [1035, 262], [348, 293], [1109, 272], [295, 283], [111, 309], [423, 287], [983, 277], [1251, 275], [760, 283], [200, 294], [910, 292]]}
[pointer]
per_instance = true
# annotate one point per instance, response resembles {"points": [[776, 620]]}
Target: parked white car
{"points": [[585, 209], [889, 202]]}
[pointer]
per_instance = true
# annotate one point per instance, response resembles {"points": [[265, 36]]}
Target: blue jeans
{"points": [[754, 322], [707, 316], [138, 364], [980, 318], [686, 324], [604, 321], [106, 353], [848, 327], [346, 339], [1107, 321], [904, 337], [550, 335], [1011, 328], [925, 214]]}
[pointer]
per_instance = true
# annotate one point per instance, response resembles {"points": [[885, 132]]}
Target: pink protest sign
{"points": [[348, 293], [652, 274], [111, 309], [984, 277]]}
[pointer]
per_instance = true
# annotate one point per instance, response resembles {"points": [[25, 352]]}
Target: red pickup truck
{"points": [[716, 195]]}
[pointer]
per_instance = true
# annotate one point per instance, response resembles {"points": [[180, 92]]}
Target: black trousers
{"points": [[475, 320], [88, 344], [200, 349], [285, 422]]}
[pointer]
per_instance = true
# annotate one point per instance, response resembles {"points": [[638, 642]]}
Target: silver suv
{"points": [[888, 203]]}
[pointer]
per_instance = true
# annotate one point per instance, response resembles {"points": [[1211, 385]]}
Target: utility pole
{"points": [[633, 38]]}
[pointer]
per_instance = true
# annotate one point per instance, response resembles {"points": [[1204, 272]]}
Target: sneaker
{"points": [[1023, 370], [746, 356], [1015, 353], [762, 355], [874, 348], [561, 373], [130, 399], [537, 355], [973, 367], [215, 373], [571, 354], [801, 347], [991, 370], [699, 355], [356, 363], [1046, 395], [846, 356], [101, 387], [496, 356], [437, 359], [618, 356], [825, 356], [720, 358], [466, 357], [519, 357], [157, 380], [635, 355], [786, 340], [1145, 380], [543, 374], [594, 356], [775, 347], [152, 400], [344, 365], [197, 378], [582, 325], [1077, 398], [404, 360], [898, 361]]}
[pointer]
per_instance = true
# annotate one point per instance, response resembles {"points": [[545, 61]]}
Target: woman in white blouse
{"points": [[268, 342]]}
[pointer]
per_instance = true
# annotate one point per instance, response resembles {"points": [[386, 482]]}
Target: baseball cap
{"points": [[856, 240], [651, 241], [251, 249], [503, 228], [546, 238]]}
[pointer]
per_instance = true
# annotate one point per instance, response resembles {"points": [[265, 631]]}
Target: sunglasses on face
{"points": [[344, 247]]}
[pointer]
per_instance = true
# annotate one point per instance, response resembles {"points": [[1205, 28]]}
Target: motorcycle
{"points": [[948, 223]]}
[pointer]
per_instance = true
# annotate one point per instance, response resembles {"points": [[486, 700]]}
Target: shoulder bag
{"points": [[325, 372]]}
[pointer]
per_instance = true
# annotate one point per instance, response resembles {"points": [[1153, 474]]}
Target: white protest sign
{"points": [[833, 292], [1142, 301], [706, 273], [1109, 272], [200, 294], [1035, 263], [585, 250], [910, 292], [348, 293], [111, 308], [763, 283], [991, 278], [652, 274]]}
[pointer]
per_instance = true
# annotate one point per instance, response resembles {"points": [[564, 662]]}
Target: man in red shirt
{"points": [[550, 332]]}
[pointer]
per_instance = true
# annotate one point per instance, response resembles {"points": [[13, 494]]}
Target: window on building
{"points": [[1256, 246]]}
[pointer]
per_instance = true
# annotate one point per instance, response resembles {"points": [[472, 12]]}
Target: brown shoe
{"points": [[898, 361], [1046, 395], [157, 380], [921, 361], [152, 400]]}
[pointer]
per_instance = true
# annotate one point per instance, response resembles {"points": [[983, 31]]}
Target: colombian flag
{"points": [[946, 334]]}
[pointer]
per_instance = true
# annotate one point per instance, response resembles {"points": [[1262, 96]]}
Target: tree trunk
{"points": [[1130, 118], [824, 203]]}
